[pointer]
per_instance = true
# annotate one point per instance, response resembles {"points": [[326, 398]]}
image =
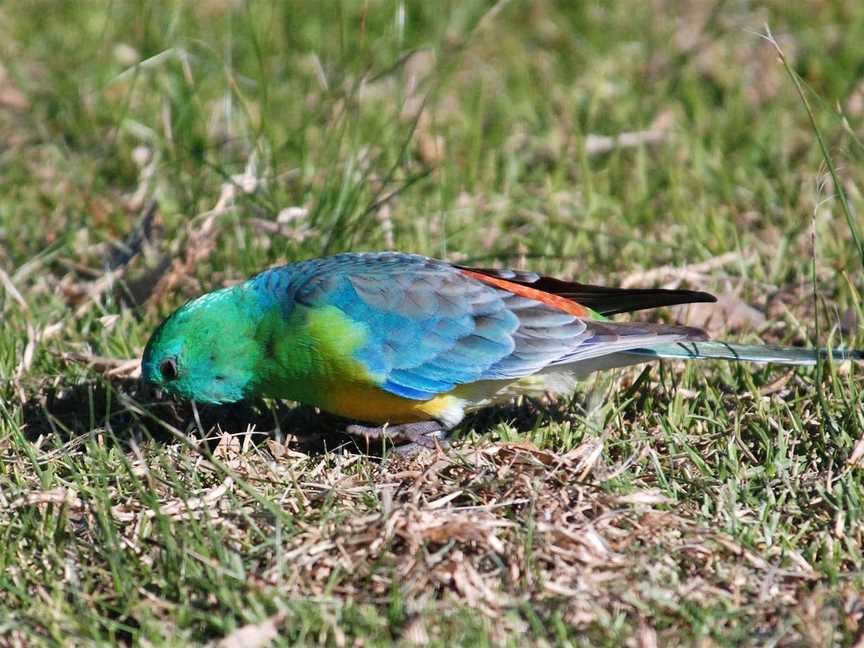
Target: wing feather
{"points": [[602, 299], [432, 327]]}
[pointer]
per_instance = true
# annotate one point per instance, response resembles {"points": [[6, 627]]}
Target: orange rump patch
{"points": [[555, 301]]}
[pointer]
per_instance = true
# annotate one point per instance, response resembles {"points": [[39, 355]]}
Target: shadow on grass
{"points": [[125, 410]]}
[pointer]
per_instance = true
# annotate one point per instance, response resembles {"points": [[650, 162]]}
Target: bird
{"points": [[405, 344]]}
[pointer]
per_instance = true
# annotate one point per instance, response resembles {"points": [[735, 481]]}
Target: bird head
{"points": [[206, 350]]}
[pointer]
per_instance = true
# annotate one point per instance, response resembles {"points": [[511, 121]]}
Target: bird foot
{"points": [[407, 438]]}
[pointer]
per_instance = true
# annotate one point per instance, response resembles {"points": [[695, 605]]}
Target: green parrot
{"points": [[409, 344]]}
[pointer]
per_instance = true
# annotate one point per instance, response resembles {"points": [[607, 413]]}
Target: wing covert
{"points": [[430, 328]]}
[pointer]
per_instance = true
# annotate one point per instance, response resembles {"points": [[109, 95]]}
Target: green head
{"points": [[207, 350]]}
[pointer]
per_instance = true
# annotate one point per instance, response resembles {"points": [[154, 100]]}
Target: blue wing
{"points": [[432, 327]]}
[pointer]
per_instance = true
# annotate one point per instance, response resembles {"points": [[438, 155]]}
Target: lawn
{"points": [[152, 151]]}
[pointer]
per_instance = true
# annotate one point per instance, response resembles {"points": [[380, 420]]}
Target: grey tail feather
{"points": [[746, 352]]}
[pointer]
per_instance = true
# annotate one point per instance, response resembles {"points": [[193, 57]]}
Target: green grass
{"points": [[703, 504]]}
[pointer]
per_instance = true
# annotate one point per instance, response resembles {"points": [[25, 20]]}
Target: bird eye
{"points": [[168, 368]]}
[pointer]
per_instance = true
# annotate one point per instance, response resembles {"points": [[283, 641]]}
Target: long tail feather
{"points": [[746, 352], [602, 299]]}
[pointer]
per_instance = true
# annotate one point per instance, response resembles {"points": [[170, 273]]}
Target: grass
{"points": [[152, 151]]}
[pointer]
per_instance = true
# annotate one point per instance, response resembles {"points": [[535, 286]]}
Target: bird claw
{"points": [[408, 438]]}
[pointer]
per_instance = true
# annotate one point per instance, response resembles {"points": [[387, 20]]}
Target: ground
{"points": [[153, 151]]}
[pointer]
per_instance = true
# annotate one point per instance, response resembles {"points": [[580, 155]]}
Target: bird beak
{"points": [[148, 391]]}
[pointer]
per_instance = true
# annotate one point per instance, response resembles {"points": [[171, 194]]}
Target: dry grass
{"points": [[492, 527]]}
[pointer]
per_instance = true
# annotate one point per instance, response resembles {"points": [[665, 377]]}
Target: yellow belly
{"points": [[369, 403]]}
